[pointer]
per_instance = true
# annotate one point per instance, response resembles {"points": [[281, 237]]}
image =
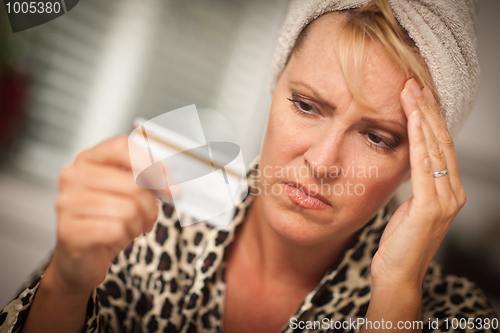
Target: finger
{"points": [[102, 205], [113, 151], [115, 181], [90, 231], [422, 178], [434, 147], [436, 120]]}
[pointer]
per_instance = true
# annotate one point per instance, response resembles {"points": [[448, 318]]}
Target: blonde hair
{"points": [[375, 22]]}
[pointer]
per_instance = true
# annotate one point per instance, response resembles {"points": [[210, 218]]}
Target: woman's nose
{"points": [[323, 158]]}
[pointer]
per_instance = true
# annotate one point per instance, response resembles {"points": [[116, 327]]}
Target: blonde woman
{"points": [[317, 245]]}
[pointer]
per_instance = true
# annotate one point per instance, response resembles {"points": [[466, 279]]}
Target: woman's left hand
{"points": [[418, 226]]}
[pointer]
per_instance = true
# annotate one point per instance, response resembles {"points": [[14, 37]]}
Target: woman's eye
{"points": [[302, 107], [378, 142], [305, 107], [374, 138]]}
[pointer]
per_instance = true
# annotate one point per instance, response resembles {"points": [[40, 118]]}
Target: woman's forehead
{"points": [[317, 64]]}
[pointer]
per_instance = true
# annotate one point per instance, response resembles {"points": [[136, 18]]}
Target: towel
{"points": [[443, 30]]}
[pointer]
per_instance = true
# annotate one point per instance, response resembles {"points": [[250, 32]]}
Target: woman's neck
{"points": [[275, 258]]}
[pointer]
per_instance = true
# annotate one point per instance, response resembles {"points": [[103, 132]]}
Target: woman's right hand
{"points": [[100, 212]]}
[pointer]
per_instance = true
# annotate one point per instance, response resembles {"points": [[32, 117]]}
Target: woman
{"points": [[308, 249]]}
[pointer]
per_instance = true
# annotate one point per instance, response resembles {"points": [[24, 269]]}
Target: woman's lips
{"points": [[302, 199]]}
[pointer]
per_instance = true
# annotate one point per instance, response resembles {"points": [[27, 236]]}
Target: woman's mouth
{"points": [[300, 196]]}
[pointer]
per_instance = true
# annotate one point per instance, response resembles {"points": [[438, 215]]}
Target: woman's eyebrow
{"points": [[316, 95], [380, 121], [322, 100]]}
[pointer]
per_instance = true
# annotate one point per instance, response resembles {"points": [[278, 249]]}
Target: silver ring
{"points": [[442, 173]]}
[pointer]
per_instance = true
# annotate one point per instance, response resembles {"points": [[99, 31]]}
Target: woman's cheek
{"points": [[380, 182], [283, 136]]}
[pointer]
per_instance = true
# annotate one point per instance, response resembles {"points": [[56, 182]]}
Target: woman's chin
{"points": [[296, 228]]}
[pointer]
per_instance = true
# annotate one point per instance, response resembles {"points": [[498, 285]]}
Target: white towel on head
{"points": [[443, 30]]}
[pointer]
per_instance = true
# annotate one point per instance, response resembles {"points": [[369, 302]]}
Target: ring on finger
{"points": [[438, 174]]}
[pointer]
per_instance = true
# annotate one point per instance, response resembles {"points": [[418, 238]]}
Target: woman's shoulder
{"points": [[446, 297]]}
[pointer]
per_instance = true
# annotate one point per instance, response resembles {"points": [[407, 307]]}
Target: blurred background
{"points": [[72, 82]]}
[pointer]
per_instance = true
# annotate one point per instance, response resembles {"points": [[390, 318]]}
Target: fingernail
{"points": [[416, 118], [410, 96], [415, 88]]}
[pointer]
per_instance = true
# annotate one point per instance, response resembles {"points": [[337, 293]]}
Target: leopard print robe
{"points": [[172, 280]]}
